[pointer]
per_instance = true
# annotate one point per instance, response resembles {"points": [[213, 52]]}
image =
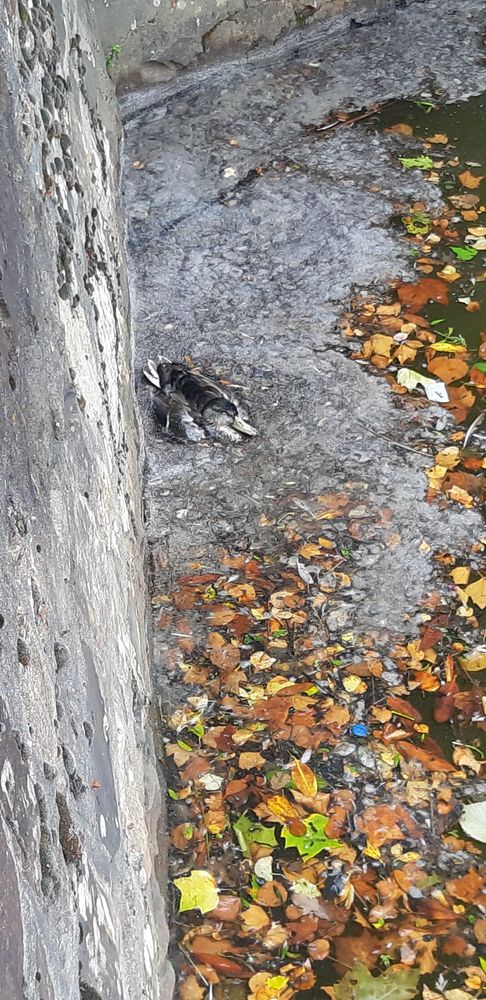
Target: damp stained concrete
{"points": [[248, 273]]}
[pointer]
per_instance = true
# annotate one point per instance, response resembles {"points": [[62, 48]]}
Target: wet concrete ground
{"points": [[248, 273]]}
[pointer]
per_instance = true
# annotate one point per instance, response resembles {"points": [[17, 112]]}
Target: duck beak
{"points": [[244, 428]]}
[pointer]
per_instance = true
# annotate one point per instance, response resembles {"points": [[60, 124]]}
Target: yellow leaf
{"points": [[461, 574], [443, 345], [449, 273], [198, 892], [277, 683], [250, 759], [469, 180], [448, 458], [305, 779], [309, 550], [372, 852], [262, 660], [474, 661], [477, 230], [381, 344], [460, 496], [438, 138], [326, 543], [477, 592], [280, 806], [353, 684]]}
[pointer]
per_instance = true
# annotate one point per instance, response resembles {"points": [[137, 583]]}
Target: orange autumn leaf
{"points": [[448, 369], [272, 894], [400, 129], [254, 918], [379, 824], [304, 779], [319, 949], [469, 180], [416, 295], [429, 760]]}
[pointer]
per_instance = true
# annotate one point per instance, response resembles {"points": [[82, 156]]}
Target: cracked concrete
{"points": [[247, 271]]}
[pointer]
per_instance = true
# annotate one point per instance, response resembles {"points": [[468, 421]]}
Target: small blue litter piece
{"points": [[359, 729]]}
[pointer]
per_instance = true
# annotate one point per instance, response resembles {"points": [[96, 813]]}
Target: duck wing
{"points": [[175, 419]]}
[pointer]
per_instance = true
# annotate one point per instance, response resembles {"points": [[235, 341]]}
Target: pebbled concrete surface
{"points": [[248, 273]]}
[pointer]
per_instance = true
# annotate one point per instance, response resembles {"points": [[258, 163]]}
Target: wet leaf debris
{"points": [[317, 777]]}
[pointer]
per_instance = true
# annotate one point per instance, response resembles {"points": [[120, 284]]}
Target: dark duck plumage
{"points": [[193, 407]]}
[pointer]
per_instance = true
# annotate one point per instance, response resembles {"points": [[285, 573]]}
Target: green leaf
{"points": [[480, 365], [313, 841], [419, 162], [473, 821], [464, 253], [249, 833], [173, 794], [359, 984], [197, 729], [198, 892], [482, 962], [184, 746]]}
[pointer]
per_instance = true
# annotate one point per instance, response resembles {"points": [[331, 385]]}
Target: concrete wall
{"points": [[80, 909], [149, 41]]}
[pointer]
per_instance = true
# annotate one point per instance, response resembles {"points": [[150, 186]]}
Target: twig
{"points": [[406, 447], [350, 121]]}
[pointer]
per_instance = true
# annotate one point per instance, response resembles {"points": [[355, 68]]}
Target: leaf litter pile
{"points": [[398, 336], [327, 807]]}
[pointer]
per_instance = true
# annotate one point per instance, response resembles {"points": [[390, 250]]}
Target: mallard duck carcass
{"points": [[193, 407]]}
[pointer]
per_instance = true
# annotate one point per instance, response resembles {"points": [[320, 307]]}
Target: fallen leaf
{"points": [[401, 128], [476, 592], [394, 984], [438, 138], [448, 369], [469, 180], [198, 892], [304, 779], [249, 760], [416, 295], [254, 918], [473, 821]]}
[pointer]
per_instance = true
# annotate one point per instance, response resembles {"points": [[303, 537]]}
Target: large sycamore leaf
{"points": [[359, 984], [473, 821], [198, 892]]}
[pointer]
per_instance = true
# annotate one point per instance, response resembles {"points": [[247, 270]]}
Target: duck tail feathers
{"points": [[151, 374]]}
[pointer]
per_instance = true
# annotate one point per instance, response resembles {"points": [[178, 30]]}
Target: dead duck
{"points": [[193, 407]]}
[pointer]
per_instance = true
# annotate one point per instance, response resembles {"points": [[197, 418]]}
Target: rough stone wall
{"points": [[80, 910], [150, 41]]}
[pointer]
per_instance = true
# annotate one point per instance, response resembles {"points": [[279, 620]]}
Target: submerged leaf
{"points": [[313, 841], [249, 833], [359, 984], [198, 892], [473, 821]]}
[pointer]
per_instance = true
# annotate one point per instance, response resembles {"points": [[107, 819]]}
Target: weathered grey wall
{"points": [[80, 909], [149, 41]]}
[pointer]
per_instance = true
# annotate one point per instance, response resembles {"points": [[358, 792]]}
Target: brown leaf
{"points": [[272, 894], [226, 657], [469, 180], [249, 760], [400, 129], [416, 295], [448, 369], [254, 918], [379, 825], [468, 887], [480, 930], [430, 761], [227, 910], [221, 614], [319, 949], [464, 200]]}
